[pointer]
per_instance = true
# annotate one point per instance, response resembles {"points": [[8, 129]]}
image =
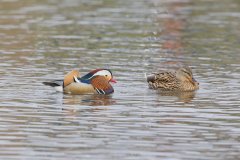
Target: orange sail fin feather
{"points": [[69, 78]]}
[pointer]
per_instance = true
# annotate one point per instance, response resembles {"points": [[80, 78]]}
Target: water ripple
{"points": [[44, 40]]}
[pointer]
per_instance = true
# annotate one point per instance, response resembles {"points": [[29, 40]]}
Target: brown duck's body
{"points": [[180, 80]]}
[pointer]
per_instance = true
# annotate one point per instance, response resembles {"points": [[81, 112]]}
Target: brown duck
{"points": [[179, 80]]}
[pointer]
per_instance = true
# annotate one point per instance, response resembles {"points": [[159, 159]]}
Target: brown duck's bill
{"points": [[194, 80]]}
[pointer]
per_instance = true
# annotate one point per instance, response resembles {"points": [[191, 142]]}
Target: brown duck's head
{"points": [[185, 75]]}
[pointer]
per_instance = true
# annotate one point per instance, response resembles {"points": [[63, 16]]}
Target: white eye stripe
{"points": [[102, 73]]}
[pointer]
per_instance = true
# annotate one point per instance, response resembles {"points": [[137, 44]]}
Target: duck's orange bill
{"points": [[113, 80]]}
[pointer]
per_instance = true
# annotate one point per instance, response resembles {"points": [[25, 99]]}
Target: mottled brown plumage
{"points": [[180, 80]]}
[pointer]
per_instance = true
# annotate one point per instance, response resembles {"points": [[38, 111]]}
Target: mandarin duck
{"points": [[179, 80], [95, 82]]}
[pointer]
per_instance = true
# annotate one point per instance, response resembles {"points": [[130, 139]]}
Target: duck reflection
{"points": [[185, 97], [88, 100]]}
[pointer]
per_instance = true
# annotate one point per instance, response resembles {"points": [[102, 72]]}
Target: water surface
{"points": [[43, 40]]}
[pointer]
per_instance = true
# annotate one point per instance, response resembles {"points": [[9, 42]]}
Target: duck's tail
{"points": [[151, 78], [52, 84], [57, 84]]}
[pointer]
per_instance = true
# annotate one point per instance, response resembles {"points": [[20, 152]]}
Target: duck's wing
{"points": [[60, 84], [163, 80], [101, 85], [165, 77], [161, 77], [69, 78]]}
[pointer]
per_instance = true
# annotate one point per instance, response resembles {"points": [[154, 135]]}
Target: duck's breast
{"points": [[187, 86]]}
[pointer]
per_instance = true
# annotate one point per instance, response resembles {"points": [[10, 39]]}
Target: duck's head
{"points": [[100, 72], [185, 75]]}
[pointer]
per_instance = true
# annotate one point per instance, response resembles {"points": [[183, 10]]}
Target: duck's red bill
{"points": [[113, 80]]}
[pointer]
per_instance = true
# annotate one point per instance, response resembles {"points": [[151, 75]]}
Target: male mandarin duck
{"points": [[95, 82], [179, 80]]}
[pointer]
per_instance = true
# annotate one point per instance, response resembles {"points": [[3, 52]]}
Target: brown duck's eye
{"points": [[105, 75], [186, 72]]}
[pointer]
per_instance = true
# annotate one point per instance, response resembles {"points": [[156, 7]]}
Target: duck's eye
{"points": [[106, 75], [187, 73]]}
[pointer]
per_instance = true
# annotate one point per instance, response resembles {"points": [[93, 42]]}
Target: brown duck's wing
{"points": [[165, 77], [69, 78], [101, 85], [161, 77], [163, 80]]}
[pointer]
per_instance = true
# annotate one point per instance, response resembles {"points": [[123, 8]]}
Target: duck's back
{"points": [[163, 81]]}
